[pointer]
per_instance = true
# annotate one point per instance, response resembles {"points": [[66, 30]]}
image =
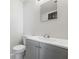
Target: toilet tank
{"points": [[24, 40]]}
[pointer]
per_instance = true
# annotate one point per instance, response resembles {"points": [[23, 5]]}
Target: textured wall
{"points": [[55, 28]]}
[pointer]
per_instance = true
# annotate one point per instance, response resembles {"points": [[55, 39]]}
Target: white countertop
{"points": [[63, 43]]}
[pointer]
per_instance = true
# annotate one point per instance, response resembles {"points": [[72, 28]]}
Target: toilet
{"points": [[19, 51]]}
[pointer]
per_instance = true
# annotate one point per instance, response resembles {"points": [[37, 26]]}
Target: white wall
{"points": [[55, 28], [31, 16], [16, 22]]}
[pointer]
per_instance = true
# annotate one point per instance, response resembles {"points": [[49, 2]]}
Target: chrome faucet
{"points": [[46, 36]]}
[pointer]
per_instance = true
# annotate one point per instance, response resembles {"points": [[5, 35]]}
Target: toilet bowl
{"points": [[19, 51]]}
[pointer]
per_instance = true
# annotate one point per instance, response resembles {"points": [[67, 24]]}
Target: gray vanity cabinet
{"points": [[32, 49], [39, 50], [48, 51]]}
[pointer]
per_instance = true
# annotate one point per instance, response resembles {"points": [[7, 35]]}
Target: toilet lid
{"points": [[19, 47]]}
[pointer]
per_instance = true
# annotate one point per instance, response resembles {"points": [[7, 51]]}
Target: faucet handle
{"points": [[46, 36]]}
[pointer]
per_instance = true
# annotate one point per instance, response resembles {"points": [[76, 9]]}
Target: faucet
{"points": [[46, 36]]}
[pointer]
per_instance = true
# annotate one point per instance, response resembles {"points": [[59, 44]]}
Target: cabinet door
{"points": [[52, 52], [31, 49]]}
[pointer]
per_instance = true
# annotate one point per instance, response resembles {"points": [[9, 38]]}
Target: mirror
{"points": [[48, 10]]}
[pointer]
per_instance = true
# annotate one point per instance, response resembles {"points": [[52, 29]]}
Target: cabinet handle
{"points": [[37, 46]]}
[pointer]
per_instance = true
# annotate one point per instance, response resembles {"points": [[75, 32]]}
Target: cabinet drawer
{"points": [[32, 43]]}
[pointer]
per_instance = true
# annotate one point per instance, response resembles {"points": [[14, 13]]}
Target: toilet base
{"points": [[19, 56]]}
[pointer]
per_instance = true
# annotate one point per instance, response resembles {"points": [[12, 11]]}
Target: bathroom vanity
{"points": [[38, 48]]}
